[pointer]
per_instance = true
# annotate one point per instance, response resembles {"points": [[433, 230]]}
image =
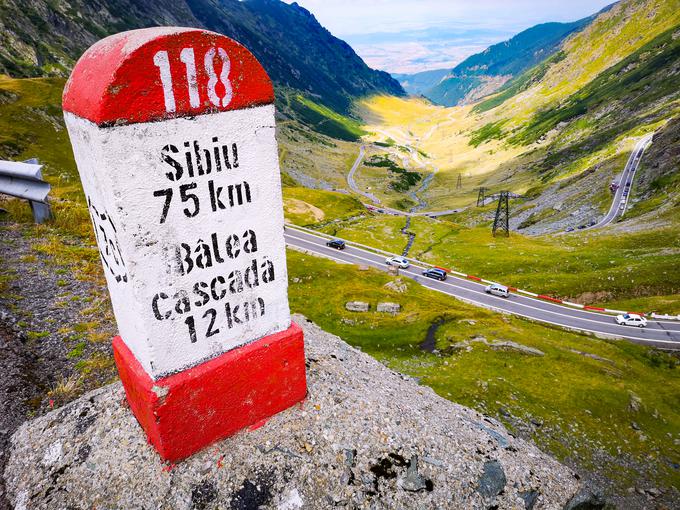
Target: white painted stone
{"points": [[120, 168]]}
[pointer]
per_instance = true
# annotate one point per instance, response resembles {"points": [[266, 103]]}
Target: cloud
{"points": [[413, 57], [417, 35], [420, 50]]}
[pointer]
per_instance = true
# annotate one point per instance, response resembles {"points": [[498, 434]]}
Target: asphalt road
{"points": [[352, 183], [661, 334], [620, 201]]}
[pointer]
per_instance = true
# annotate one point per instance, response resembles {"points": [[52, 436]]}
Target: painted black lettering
{"points": [[167, 193], [205, 297], [191, 324], [249, 241], [225, 153], [216, 151], [215, 201], [267, 268], [199, 164], [182, 305], [233, 246], [232, 315], [213, 315], [154, 307], [234, 152], [203, 255], [186, 196], [251, 275], [185, 262], [190, 165], [216, 249], [213, 288], [179, 169]]}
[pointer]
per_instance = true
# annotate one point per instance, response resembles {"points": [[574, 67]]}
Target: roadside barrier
{"points": [[544, 297], [24, 180]]}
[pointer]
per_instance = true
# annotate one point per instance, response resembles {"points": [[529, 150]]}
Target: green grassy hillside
{"points": [[575, 403], [597, 268], [45, 38], [609, 39], [506, 59]]}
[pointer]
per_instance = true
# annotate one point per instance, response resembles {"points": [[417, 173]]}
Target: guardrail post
{"points": [[42, 211], [24, 180]]}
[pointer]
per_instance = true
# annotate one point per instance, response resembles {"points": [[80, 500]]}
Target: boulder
{"points": [[357, 306], [507, 345], [366, 437], [397, 285], [392, 308]]}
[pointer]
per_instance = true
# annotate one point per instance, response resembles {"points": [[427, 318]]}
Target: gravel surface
{"points": [[45, 334], [366, 437]]}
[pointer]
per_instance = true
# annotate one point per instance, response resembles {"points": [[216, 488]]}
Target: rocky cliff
{"points": [[366, 437], [45, 38]]}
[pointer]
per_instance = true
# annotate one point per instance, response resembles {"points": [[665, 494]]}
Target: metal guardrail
{"points": [[24, 180]]}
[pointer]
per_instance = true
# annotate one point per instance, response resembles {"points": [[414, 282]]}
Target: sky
{"points": [[408, 36]]}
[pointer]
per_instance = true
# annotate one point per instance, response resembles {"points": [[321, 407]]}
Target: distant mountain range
{"points": [[45, 38], [418, 84], [486, 72]]}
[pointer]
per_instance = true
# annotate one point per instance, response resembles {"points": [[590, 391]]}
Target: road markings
{"points": [[515, 302], [414, 262]]}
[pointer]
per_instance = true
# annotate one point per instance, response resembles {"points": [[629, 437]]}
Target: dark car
{"points": [[437, 274], [338, 244]]}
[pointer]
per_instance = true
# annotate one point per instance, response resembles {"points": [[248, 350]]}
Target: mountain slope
{"points": [[485, 72], [612, 37], [579, 113], [45, 38]]}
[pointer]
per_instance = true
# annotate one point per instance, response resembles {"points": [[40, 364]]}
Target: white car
{"points": [[497, 290], [631, 319], [398, 261]]}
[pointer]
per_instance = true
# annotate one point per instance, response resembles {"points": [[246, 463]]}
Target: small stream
{"points": [[419, 206], [429, 344]]}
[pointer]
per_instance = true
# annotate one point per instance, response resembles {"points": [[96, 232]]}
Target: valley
{"points": [[363, 162]]}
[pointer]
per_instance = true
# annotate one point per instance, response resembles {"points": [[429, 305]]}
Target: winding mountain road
{"points": [[660, 334], [622, 195], [352, 183], [376, 205]]}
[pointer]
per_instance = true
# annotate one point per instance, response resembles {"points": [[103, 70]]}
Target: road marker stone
{"points": [[173, 132]]}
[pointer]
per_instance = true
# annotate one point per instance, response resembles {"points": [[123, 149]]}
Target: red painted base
{"points": [[185, 412]]}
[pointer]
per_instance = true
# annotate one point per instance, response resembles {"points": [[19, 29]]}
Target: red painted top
{"points": [[159, 73]]}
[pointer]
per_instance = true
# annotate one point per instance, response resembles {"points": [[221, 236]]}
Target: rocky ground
{"points": [[352, 444], [54, 339], [55, 332]]}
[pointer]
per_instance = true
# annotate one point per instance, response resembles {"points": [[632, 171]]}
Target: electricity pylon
{"points": [[481, 197], [501, 223]]}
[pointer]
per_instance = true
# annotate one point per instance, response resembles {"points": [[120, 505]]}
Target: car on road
{"points": [[570, 229], [592, 223], [497, 289], [435, 273], [338, 244], [631, 319], [398, 261]]}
